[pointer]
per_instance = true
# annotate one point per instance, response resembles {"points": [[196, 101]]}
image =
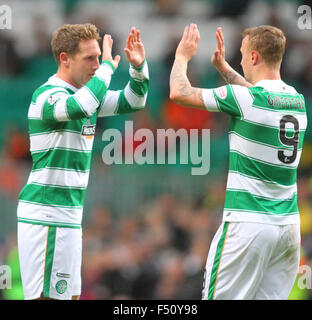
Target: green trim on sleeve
{"points": [[226, 101], [141, 67]]}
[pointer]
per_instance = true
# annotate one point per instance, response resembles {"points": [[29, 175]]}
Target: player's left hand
{"points": [[218, 57], [188, 45], [134, 49]]}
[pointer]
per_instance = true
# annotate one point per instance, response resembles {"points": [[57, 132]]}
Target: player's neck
{"points": [[265, 73], [61, 74]]}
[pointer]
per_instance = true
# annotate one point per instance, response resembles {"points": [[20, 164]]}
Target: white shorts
{"points": [[252, 261], [50, 261]]}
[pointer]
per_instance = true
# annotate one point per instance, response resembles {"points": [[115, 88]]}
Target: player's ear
{"points": [[64, 59], [254, 57]]}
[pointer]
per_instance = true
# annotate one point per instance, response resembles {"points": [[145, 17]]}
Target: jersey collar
{"points": [[55, 81], [275, 85]]}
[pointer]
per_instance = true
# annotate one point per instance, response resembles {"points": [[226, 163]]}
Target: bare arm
{"points": [[226, 71], [181, 90], [230, 76]]}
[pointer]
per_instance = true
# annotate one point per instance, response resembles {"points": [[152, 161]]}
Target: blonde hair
{"points": [[67, 38], [269, 41]]}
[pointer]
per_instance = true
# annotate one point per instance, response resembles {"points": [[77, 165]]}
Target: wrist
{"points": [[138, 67], [224, 67], [181, 58], [139, 73]]}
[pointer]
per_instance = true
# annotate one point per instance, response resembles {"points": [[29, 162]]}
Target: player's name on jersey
{"points": [[282, 102]]}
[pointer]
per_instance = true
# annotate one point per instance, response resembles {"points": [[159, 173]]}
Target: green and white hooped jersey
{"points": [[266, 130], [62, 123]]}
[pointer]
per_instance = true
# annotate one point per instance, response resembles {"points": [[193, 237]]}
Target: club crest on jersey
{"points": [[61, 286], [52, 99], [221, 92]]}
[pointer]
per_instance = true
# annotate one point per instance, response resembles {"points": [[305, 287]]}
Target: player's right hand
{"points": [[188, 45], [107, 51], [218, 57]]}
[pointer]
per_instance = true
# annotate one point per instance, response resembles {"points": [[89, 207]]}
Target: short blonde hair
{"points": [[67, 38], [269, 41]]}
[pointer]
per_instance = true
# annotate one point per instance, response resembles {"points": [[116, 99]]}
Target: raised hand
{"points": [[134, 49], [107, 51], [188, 45], [225, 70], [218, 57]]}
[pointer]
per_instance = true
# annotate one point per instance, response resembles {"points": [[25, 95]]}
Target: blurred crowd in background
{"points": [[146, 229]]}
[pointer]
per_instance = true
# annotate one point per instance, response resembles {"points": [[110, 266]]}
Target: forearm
{"points": [[62, 106], [181, 90], [88, 98], [132, 98], [139, 80], [232, 77]]}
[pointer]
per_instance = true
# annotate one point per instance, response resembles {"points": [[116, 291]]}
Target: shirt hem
{"points": [[265, 218], [49, 223]]}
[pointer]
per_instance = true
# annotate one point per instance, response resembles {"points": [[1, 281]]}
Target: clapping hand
{"points": [[188, 45], [134, 49], [107, 51]]}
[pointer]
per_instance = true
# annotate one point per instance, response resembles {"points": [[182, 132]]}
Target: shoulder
{"points": [[242, 90], [43, 92], [231, 91], [243, 96]]}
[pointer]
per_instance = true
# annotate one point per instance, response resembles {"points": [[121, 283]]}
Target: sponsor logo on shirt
{"points": [[88, 130]]}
